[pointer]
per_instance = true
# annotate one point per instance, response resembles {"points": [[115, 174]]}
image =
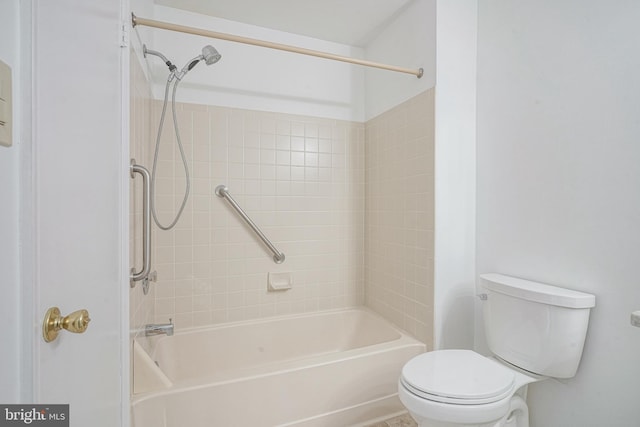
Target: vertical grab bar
{"points": [[143, 274], [223, 191]]}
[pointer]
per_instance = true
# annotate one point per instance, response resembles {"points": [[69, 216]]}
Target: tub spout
{"points": [[158, 329]]}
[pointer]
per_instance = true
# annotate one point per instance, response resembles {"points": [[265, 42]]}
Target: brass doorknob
{"points": [[76, 322]]}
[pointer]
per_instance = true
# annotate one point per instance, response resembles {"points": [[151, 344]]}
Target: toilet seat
{"points": [[460, 377]]}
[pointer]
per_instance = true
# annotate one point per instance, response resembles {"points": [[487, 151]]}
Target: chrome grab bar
{"points": [[223, 191], [146, 228]]}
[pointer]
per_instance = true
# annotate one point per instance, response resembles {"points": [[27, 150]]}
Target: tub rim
{"points": [[403, 340]]}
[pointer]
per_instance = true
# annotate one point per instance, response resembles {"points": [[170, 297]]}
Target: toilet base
{"points": [[517, 416], [433, 423]]}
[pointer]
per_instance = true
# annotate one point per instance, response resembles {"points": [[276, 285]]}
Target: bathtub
{"points": [[328, 369]]}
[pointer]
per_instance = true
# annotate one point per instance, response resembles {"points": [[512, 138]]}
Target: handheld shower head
{"points": [[210, 55]]}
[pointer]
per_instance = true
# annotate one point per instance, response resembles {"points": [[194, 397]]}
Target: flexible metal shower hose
{"points": [[157, 150]]}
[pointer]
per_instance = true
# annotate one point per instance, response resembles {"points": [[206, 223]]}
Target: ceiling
{"points": [[351, 22]]}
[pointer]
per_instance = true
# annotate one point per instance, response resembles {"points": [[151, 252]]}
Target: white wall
{"points": [[558, 182], [80, 196], [454, 267], [9, 218], [268, 80], [258, 78], [407, 41], [140, 34]]}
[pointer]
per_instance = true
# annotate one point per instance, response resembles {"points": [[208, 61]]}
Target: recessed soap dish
{"points": [[279, 281]]}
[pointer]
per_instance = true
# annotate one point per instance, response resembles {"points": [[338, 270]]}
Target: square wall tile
{"points": [[273, 164], [399, 221]]}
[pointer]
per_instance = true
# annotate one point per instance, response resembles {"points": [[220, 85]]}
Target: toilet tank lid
{"points": [[537, 292]]}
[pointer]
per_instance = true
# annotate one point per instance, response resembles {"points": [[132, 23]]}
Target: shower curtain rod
{"points": [[136, 20]]}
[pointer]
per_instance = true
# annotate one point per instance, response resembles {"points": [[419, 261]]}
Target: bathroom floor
{"points": [[401, 421]]}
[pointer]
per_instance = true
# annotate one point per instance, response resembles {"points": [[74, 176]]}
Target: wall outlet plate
{"points": [[6, 108]]}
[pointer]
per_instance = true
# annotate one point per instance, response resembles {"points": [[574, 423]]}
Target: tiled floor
{"points": [[401, 421]]}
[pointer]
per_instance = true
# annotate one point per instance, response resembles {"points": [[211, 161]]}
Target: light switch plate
{"points": [[635, 318], [6, 108]]}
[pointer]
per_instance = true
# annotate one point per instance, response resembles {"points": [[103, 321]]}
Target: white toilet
{"points": [[534, 331]]}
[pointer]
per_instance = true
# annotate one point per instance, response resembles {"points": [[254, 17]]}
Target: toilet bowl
{"points": [[535, 331], [463, 388]]}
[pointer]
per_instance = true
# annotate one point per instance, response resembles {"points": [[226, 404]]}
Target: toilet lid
{"points": [[458, 376]]}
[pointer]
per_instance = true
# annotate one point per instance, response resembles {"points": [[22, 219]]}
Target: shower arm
{"points": [[136, 20]]}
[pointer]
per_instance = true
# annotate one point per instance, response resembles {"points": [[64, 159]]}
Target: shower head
{"points": [[210, 55]]}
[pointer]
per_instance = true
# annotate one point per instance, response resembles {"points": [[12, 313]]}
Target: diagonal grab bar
{"points": [[223, 191]]}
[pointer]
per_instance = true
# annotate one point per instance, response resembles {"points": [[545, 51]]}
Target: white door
{"points": [[78, 248]]}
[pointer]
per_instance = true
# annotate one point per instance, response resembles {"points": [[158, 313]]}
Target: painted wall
{"points": [[257, 78], [140, 35], [558, 177], [80, 186], [407, 41], [269, 80], [454, 269], [9, 215]]}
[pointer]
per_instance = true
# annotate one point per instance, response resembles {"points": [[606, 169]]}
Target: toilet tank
{"points": [[536, 327]]}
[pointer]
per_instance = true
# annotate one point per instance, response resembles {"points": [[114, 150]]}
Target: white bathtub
{"points": [[337, 368]]}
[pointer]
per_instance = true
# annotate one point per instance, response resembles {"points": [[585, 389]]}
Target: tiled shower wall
{"points": [[301, 180], [141, 307], [343, 215], [399, 231]]}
